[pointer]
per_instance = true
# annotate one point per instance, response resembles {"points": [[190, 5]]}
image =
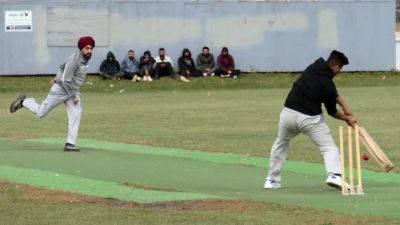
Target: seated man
{"points": [[163, 65], [146, 67], [109, 68], [130, 67], [205, 62], [226, 65], [187, 68]]}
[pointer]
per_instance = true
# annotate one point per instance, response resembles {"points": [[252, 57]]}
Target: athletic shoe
{"points": [[139, 78], [335, 180], [149, 79], [271, 184], [213, 74], [70, 148], [145, 78], [135, 78], [204, 74], [184, 79], [17, 104]]}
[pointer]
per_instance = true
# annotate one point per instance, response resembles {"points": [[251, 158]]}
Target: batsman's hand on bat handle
{"points": [[75, 101], [351, 121]]}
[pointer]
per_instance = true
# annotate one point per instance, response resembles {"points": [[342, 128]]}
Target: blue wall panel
{"points": [[262, 35]]}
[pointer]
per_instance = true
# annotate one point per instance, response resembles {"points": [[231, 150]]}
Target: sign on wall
{"points": [[18, 21]]}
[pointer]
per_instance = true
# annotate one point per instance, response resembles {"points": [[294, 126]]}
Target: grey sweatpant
{"points": [[56, 96], [290, 125]]}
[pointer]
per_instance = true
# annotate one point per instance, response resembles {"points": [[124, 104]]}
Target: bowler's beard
{"points": [[87, 56]]}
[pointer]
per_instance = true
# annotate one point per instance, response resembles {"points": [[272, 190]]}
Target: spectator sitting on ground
{"points": [[164, 65], [146, 67], [226, 65], [147, 52], [109, 68], [205, 62], [130, 67], [187, 67]]}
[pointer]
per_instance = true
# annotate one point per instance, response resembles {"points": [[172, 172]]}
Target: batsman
{"points": [[65, 89], [303, 114]]}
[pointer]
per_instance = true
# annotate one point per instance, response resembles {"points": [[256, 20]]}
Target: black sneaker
{"points": [[70, 148], [17, 104]]}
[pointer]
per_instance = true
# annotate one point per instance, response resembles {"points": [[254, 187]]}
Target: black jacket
{"points": [[110, 67], [314, 87], [186, 64]]}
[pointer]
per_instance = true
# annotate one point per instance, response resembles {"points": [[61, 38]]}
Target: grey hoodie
{"points": [[72, 74]]}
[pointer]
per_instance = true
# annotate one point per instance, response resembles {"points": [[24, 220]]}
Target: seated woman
{"points": [[226, 65], [187, 67], [146, 66]]}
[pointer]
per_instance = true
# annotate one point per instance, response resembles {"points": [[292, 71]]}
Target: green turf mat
{"points": [[229, 158], [187, 175], [64, 182]]}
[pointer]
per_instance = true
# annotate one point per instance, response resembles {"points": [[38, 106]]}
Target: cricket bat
{"points": [[374, 150]]}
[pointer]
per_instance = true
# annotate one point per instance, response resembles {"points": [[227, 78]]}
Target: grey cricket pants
{"points": [[56, 96], [290, 125]]}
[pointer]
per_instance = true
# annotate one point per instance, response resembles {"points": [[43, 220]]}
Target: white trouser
{"points": [[290, 125], [56, 96]]}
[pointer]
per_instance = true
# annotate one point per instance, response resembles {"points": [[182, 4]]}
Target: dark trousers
{"points": [[164, 69], [189, 73], [129, 75], [111, 76], [146, 71], [220, 72]]}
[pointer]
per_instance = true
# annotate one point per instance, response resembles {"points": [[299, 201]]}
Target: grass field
{"points": [[174, 153]]}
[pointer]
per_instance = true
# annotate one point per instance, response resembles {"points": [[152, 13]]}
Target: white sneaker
{"points": [[145, 78], [336, 181], [213, 74], [149, 79], [139, 78], [204, 74], [135, 78], [184, 79], [272, 184]]}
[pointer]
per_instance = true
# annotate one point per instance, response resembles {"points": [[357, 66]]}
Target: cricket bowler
{"points": [[303, 114], [65, 89]]}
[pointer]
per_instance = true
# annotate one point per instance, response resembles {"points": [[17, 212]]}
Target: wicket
{"points": [[353, 190]]}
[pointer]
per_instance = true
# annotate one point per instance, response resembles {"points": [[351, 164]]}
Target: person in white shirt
{"points": [[164, 65]]}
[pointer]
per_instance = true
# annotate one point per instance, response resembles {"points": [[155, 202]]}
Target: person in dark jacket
{"points": [[146, 66], [187, 67], [110, 68], [303, 114], [226, 65], [206, 63]]}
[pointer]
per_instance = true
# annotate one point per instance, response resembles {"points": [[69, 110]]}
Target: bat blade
{"points": [[373, 148]]}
